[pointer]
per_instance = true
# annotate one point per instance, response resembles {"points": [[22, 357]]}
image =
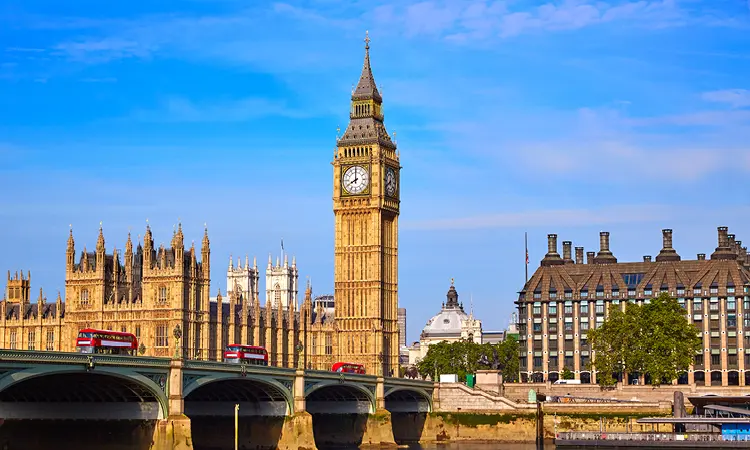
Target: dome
{"points": [[448, 321]]}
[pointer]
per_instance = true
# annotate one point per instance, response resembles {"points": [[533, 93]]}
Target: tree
{"points": [[655, 338], [464, 357], [672, 342], [566, 374]]}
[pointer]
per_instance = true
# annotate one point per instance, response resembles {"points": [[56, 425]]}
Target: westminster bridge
{"points": [[183, 404]]}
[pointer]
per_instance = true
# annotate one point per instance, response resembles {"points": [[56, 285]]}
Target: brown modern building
{"points": [[568, 295]]}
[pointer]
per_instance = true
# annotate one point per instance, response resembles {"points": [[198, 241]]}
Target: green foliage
{"points": [[566, 374], [654, 338], [462, 357], [401, 371], [476, 419]]}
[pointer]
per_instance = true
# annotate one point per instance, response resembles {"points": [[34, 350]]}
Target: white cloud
{"points": [[736, 98]]}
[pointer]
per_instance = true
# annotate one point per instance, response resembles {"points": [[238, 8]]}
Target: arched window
{"points": [[277, 295]]}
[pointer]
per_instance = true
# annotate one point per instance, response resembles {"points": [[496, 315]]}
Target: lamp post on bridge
{"points": [[177, 333], [299, 349]]}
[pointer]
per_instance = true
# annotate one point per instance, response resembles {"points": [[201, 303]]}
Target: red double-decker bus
{"points": [[107, 342], [247, 354], [348, 368]]}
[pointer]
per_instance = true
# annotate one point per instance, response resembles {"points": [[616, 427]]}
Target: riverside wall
{"points": [[665, 393]]}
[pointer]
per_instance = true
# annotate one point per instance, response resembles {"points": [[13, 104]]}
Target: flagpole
{"points": [[526, 260]]}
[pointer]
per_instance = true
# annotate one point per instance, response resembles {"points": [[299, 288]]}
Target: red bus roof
{"points": [[339, 364], [116, 333], [258, 347]]}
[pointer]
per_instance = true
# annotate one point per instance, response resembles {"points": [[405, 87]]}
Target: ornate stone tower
{"points": [[243, 280], [281, 283], [366, 207]]}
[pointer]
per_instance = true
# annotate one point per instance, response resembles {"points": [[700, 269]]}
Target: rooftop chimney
{"points": [[647, 258], [604, 256], [701, 256], [590, 257], [667, 253], [567, 254], [552, 257], [723, 251], [579, 255]]}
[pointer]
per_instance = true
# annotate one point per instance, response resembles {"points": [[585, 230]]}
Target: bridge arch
{"points": [[408, 399], [216, 395], [339, 397], [60, 392]]}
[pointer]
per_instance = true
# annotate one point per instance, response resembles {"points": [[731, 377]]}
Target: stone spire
{"points": [[129, 245], [71, 241], [366, 88], [100, 240], [366, 115]]}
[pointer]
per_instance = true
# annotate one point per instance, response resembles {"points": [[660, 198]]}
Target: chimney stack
{"points": [[604, 256], [723, 251], [701, 256], [647, 258], [579, 255], [667, 253], [552, 257], [567, 253], [590, 257]]}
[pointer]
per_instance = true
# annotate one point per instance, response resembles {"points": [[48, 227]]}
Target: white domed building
{"points": [[451, 324]]}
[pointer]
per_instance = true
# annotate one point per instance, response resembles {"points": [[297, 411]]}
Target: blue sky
{"points": [[565, 117]]}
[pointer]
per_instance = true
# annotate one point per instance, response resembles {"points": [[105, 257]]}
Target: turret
{"points": [[206, 254], [100, 256], [148, 248], [70, 253], [129, 259], [179, 249]]}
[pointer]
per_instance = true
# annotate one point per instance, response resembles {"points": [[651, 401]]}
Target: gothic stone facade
{"points": [[155, 290], [566, 297]]}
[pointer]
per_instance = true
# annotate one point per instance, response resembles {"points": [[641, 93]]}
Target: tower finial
{"points": [[367, 39], [452, 280]]}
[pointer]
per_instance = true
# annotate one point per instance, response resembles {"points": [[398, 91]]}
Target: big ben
{"points": [[366, 207]]}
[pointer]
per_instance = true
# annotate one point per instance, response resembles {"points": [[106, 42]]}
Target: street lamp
{"points": [[299, 348], [177, 333]]}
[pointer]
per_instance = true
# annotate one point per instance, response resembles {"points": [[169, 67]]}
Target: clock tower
{"points": [[366, 195]]}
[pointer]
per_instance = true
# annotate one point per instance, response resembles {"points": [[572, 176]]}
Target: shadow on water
{"points": [[408, 427], [217, 433], [76, 434], [338, 431]]}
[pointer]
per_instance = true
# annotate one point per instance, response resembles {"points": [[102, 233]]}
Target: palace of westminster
{"points": [[153, 292]]}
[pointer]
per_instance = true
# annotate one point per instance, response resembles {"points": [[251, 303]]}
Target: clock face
{"points": [[356, 179], [390, 181]]}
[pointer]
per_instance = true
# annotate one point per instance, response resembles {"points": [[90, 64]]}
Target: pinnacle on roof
{"points": [[366, 87]]}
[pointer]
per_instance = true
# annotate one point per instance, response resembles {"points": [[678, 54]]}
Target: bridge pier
{"points": [[174, 432], [297, 431]]}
